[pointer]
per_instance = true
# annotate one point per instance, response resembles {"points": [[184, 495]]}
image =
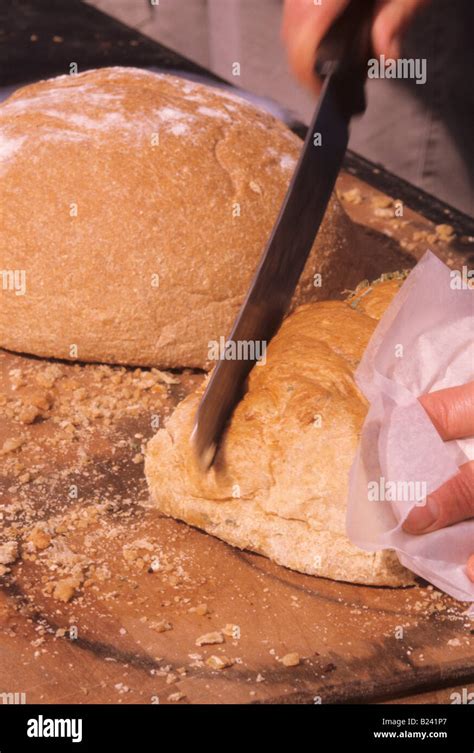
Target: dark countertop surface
{"points": [[41, 38]]}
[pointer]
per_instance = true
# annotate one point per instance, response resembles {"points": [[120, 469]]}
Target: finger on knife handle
{"points": [[304, 26]]}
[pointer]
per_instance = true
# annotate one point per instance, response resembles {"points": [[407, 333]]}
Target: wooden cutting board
{"points": [[107, 601]]}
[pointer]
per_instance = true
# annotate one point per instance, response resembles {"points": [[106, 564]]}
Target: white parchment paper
{"points": [[424, 342]]}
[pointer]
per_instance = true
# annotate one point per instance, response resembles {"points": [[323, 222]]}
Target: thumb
{"points": [[451, 503]]}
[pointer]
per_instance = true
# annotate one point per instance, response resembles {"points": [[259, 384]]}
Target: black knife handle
{"points": [[344, 52]]}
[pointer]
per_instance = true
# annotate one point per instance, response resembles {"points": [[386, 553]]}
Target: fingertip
{"points": [[386, 31], [451, 503], [470, 568], [422, 519]]}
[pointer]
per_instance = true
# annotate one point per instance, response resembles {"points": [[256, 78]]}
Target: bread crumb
{"points": [[231, 631], [164, 377], [65, 589], [12, 444], [255, 187], [210, 638], [161, 627], [219, 662], [8, 552], [28, 414], [39, 538], [290, 660], [17, 378], [154, 565], [353, 196], [174, 697], [445, 233], [384, 212], [121, 688], [382, 202]]}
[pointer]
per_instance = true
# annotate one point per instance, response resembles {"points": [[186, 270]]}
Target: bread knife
{"points": [[342, 65]]}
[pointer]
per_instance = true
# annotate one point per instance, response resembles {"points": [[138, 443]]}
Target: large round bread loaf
{"points": [[134, 209]]}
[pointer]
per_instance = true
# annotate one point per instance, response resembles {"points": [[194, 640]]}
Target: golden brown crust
{"points": [[279, 482], [135, 251]]}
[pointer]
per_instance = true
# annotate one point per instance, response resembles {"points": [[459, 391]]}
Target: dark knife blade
{"points": [[286, 252]]}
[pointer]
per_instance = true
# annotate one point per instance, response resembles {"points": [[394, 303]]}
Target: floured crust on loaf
{"points": [[138, 205], [279, 483]]}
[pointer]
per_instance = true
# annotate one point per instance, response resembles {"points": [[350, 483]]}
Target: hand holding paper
{"points": [[422, 345], [452, 412]]}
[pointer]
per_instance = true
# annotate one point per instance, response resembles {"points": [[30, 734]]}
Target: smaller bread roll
{"points": [[137, 206], [279, 483]]}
